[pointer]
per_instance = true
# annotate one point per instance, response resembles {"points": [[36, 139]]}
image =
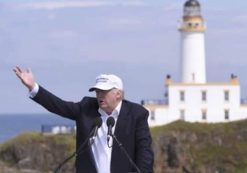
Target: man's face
{"points": [[108, 99]]}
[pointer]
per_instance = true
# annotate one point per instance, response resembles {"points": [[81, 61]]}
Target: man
{"points": [[131, 127]]}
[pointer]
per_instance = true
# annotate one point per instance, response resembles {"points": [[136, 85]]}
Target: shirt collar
{"points": [[115, 112]]}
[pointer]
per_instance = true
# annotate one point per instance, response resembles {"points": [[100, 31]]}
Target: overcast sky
{"points": [[68, 43]]}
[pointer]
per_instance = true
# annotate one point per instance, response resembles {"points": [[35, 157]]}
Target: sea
{"points": [[12, 125]]}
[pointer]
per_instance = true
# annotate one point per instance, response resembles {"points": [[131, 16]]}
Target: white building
{"points": [[194, 99]]}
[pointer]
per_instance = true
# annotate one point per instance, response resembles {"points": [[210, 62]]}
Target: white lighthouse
{"points": [[194, 99], [193, 68]]}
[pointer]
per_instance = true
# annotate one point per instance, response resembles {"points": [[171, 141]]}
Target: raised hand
{"points": [[26, 77]]}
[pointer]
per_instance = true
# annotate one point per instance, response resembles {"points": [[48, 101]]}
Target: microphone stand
{"points": [[126, 154], [77, 152]]}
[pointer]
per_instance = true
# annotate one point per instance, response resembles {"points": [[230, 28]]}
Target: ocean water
{"points": [[12, 125]]}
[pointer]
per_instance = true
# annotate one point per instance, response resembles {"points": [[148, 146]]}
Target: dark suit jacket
{"points": [[131, 130]]}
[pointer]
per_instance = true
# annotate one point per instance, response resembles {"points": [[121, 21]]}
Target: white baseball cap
{"points": [[107, 82]]}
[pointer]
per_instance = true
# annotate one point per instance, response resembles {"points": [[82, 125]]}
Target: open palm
{"points": [[26, 77]]}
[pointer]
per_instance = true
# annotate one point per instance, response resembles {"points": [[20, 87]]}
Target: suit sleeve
{"points": [[144, 153], [56, 105]]}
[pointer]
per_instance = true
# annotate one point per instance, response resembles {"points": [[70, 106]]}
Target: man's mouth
{"points": [[101, 101]]}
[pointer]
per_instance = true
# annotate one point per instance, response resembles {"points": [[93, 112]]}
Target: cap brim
{"points": [[91, 89], [100, 88]]}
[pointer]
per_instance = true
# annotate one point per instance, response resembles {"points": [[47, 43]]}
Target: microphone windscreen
{"points": [[110, 121], [98, 122]]}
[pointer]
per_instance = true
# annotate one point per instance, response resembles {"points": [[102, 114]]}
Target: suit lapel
{"points": [[121, 122], [116, 159]]}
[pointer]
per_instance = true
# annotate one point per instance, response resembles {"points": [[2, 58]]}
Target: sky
{"points": [[67, 43]]}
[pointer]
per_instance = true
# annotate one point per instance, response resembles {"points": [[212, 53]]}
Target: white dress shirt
{"points": [[101, 149], [34, 91]]}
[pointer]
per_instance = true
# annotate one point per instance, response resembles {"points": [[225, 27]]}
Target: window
{"points": [[193, 77], [227, 115], [152, 117], [226, 95], [204, 96], [182, 96], [182, 114], [204, 114]]}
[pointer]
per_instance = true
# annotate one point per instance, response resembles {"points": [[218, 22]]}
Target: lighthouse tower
{"points": [[192, 29]]}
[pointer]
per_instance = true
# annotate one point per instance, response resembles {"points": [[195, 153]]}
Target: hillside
{"points": [[179, 147], [36, 153], [201, 148]]}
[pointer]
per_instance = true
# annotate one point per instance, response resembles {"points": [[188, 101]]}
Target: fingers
{"points": [[17, 71]]}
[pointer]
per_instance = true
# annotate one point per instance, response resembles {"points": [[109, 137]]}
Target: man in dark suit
{"points": [[131, 129]]}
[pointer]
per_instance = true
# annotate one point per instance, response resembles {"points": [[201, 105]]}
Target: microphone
{"points": [[92, 134], [110, 123], [97, 125]]}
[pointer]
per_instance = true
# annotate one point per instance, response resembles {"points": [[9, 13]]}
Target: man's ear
{"points": [[119, 94]]}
